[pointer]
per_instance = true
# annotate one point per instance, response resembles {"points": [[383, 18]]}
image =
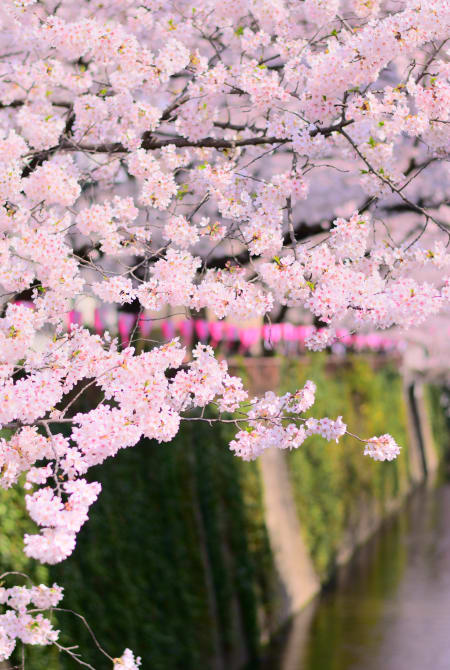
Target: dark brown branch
{"points": [[151, 144]]}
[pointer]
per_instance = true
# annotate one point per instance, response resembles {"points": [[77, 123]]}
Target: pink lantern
{"points": [[231, 334], [289, 332], [73, 318], [26, 303], [202, 330], [273, 333], [216, 328], [126, 323], [186, 329], [168, 329], [248, 337], [98, 322], [145, 325]]}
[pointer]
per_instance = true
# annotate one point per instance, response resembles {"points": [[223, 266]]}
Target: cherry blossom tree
{"points": [[181, 153]]}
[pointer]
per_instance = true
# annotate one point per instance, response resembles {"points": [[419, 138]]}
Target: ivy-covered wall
{"points": [[438, 406], [175, 561], [331, 481]]}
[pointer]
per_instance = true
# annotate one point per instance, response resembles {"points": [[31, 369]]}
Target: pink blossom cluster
{"points": [[127, 661], [60, 516], [269, 426], [383, 448], [145, 394], [339, 279], [22, 619]]}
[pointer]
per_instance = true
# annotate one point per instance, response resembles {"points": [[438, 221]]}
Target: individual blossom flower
{"points": [[320, 339], [383, 448], [54, 182], [115, 289], [293, 438], [44, 597], [349, 238], [19, 597], [127, 661], [7, 644], [326, 428], [248, 445], [303, 399], [320, 11], [180, 232], [215, 231], [52, 546]]}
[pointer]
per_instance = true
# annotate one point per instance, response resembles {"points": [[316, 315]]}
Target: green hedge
{"points": [[175, 561]]}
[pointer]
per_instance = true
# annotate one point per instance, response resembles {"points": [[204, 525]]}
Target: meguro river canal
{"points": [[389, 609]]}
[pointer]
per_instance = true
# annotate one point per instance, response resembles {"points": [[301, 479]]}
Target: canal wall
{"points": [[195, 559], [341, 498]]}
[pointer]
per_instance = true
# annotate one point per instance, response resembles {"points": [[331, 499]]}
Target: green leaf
{"points": [[182, 191]]}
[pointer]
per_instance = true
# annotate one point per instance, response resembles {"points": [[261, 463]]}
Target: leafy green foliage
{"points": [[437, 402], [172, 563], [332, 481]]}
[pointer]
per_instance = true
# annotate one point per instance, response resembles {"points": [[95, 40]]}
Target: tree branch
{"points": [[151, 144]]}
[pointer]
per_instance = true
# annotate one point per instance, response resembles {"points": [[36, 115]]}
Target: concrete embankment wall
{"points": [[288, 523]]}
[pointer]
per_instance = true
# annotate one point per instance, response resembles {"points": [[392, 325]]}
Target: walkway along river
{"points": [[389, 608]]}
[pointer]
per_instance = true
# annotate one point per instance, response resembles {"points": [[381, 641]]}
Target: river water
{"points": [[389, 609]]}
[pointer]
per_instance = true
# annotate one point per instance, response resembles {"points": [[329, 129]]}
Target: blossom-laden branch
{"points": [[182, 142], [211, 158], [27, 620]]}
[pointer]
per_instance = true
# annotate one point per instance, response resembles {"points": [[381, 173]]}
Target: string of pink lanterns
{"points": [[286, 336]]}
